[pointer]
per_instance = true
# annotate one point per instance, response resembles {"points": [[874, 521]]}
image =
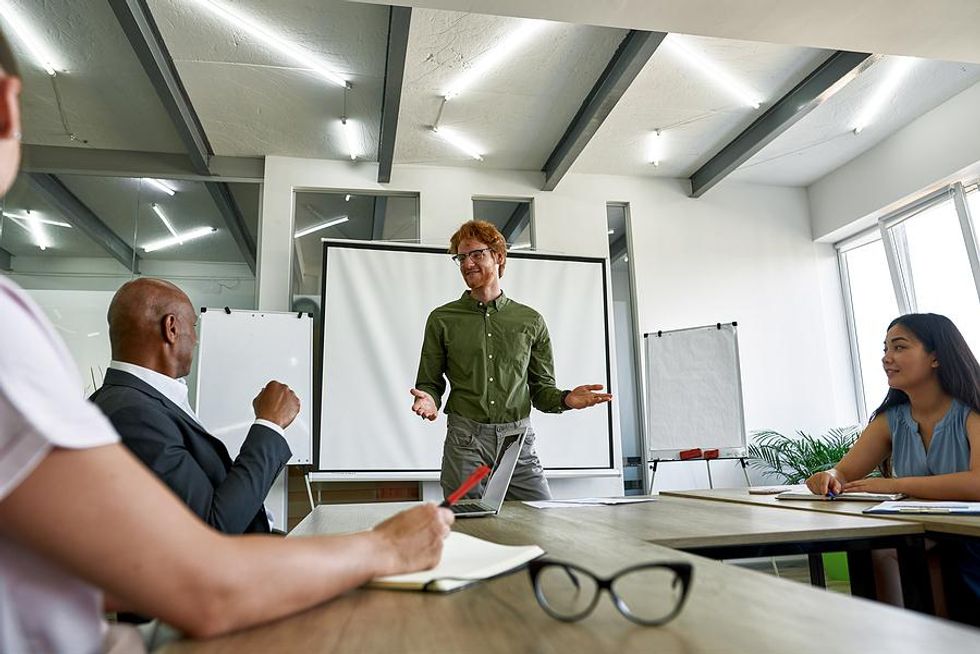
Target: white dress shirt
{"points": [[43, 608]]}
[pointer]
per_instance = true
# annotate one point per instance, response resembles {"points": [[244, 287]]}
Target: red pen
{"points": [[465, 487]]}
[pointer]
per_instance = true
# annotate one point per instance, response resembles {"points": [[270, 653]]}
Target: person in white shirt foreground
{"points": [[80, 516]]}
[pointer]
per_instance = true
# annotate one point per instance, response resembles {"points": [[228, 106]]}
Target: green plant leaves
{"points": [[795, 458]]}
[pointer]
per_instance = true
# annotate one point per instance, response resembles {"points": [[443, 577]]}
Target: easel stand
{"points": [[654, 463]]}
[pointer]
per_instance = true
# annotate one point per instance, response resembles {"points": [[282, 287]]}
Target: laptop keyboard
{"points": [[468, 507]]}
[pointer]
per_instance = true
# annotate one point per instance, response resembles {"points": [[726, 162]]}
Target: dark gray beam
{"points": [[378, 224], [819, 86], [399, 20], [59, 160], [80, 216], [518, 220], [137, 22], [617, 248], [632, 54], [6, 260], [234, 220]]}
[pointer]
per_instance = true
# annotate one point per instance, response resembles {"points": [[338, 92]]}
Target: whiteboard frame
{"points": [[424, 474], [739, 452], [294, 315]]}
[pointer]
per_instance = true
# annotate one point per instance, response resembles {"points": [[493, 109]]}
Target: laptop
{"points": [[497, 484]]}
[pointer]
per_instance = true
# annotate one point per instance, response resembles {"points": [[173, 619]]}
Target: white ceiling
{"points": [[252, 102]]}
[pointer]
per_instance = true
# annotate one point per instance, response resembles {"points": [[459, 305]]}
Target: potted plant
{"points": [[794, 458]]}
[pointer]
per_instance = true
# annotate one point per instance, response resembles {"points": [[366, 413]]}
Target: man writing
{"points": [[496, 354], [151, 329]]}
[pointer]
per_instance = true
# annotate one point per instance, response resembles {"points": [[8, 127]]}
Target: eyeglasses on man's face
{"points": [[648, 594], [477, 256]]}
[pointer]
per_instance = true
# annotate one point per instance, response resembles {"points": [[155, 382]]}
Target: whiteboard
{"points": [[694, 391], [238, 354], [376, 298]]}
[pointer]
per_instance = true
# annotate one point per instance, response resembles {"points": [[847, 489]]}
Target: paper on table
{"points": [[803, 493], [954, 508], [588, 501], [465, 560]]}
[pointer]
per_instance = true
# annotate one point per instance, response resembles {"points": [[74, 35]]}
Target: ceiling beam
{"points": [[518, 220], [631, 55], [6, 260], [60, 160], [828, 78], [234, 221], [378, 223], [137, 22], [399, 21], [79, 215]]}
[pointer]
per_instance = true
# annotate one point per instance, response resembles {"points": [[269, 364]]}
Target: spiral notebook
{"points": [[465, 560], [804, 494]]}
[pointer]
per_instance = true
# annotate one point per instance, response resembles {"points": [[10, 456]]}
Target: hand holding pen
{"points": [[465, 487]]}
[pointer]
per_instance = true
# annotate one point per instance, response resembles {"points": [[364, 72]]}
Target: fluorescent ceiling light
{"points": [[315, 228], [350, 138], [29, 38], [166, 223], [22, 220], [37, 232], [451, 137], [303, 57], [485, 62], [521, 246], [190, 235], [160, 184], [715, 72], [347, 198], [898, 68], [611, 232], [655, 152]]}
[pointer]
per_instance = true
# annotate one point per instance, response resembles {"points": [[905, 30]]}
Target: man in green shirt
{"points": [[496, 354]]}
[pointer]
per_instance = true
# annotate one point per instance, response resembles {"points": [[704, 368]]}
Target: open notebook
{"points": [[465, 560], [802, 493]]}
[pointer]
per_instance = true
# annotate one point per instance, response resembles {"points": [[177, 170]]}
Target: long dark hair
{"points": [[959, 372]]}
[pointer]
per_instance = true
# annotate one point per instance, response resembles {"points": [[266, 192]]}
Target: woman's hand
{"points": [[873, 485], [826, 482]]}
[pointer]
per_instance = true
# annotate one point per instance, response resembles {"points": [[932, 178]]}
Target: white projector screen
{"points": [[376, 298], [694, 391]]}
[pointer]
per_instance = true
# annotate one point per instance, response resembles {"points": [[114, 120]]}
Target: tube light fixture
{"points": [[714, 72], [189, 235], [166, 223], [29, 38], [484, 63], [303, 57], [898, 68], [315, 228], [162, 185], [611, 232], [451, 137], [37, 232], [656, 147], [350, 137], [347, 198], [521, 246], [22, 220]]}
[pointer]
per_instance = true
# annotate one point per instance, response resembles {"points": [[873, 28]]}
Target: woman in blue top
{"points": [[929, 424]]}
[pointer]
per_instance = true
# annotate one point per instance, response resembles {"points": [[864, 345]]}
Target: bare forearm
{"points": [[961, 486]]}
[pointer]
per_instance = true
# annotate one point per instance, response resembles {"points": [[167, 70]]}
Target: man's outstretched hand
{"points": [[424, 405], [582, 397]]}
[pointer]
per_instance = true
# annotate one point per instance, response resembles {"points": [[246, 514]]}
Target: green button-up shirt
{"points": [[497, 357]]}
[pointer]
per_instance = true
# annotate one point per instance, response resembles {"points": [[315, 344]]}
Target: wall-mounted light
{"points": [[453, 138], [485, 62], [161, 185], [315, 228], [26, 34], [713, 71], [301, 56], [898, 68], [184, 237]]}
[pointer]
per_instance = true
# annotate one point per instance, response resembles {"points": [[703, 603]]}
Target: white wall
{"points": [[742, 252], [939, 147]]}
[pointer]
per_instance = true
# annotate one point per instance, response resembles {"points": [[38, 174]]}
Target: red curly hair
{"points": [[485, 232]]}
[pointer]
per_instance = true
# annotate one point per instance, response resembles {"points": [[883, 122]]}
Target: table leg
{"points": [[914, 569], [862, 574], [817, 576]]}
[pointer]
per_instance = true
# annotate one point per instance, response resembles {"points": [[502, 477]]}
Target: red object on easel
{"points": [[690, 454], [711, 454]]}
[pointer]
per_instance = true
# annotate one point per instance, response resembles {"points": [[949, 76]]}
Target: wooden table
{"points": [[729, 609]]}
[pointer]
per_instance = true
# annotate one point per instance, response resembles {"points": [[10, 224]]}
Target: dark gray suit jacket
{"points": [[227, 495]]}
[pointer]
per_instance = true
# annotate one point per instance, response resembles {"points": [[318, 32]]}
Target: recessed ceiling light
{"points": [[303, 57], [898, 68], [507, 45], [315, 228], [29, 38], [714, 71], [453, 138], [189, 235]]}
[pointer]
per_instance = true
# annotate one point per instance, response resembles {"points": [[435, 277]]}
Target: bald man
{"points": [[151, 329]]}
